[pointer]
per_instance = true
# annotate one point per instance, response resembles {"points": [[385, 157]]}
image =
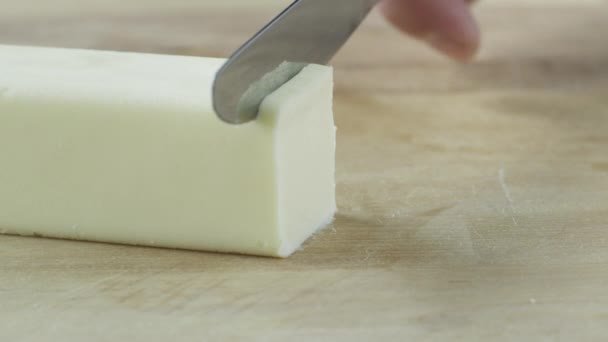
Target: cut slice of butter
{"points": [[125, 148]]}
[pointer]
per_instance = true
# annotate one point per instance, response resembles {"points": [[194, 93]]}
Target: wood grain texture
{"points": [[473, 199]]}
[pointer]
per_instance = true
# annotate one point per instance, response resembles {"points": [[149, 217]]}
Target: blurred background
{"points": [[526, 43]]}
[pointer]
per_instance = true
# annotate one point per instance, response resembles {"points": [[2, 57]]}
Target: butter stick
{"points": [[125, 148]]}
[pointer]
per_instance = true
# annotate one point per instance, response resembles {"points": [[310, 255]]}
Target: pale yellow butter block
{"points": [[125, 148]]}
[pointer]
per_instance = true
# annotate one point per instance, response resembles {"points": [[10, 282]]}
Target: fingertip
{"points": [[461, 45], [446, 25]]}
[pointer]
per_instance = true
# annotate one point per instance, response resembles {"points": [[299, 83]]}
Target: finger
{"points": [[447, 25]]}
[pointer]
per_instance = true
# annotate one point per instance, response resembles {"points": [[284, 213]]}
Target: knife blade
{"points": [[306, 32]]}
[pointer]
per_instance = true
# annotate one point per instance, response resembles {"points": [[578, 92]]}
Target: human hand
{"points": [[447, 25]]}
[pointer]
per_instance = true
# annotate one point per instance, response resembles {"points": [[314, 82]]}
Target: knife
{"points": [[306, 32]]}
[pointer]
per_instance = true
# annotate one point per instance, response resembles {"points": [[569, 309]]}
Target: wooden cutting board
{"points": [[473, 199]]}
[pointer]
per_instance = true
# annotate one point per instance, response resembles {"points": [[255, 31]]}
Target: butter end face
{"points": [[304, 147]]}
